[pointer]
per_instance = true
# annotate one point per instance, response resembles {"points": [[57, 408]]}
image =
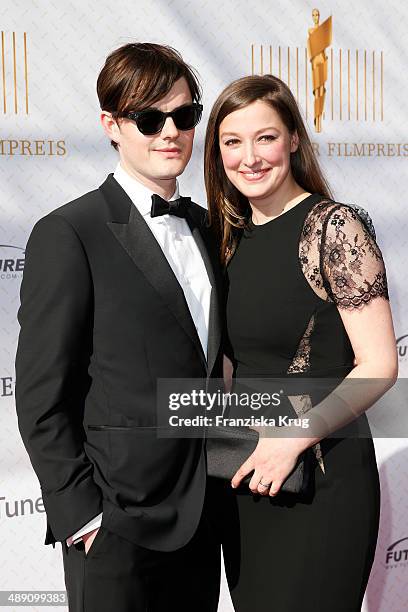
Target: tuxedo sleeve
{"points": [[53, 352]]}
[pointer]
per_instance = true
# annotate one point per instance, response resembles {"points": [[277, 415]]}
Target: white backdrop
{"points": [[52, 150]]}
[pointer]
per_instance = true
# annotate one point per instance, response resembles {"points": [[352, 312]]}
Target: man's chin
{"points": [[169, 173]]}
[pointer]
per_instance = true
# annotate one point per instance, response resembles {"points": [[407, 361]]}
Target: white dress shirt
{"points": [[180, 249]]}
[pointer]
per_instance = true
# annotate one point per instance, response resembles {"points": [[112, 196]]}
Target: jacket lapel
{"points": [[214, 324], [139, 243]]}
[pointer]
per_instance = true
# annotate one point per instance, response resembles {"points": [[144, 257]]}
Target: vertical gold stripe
{"points": [[26, 70], [357, 84], [332, 83], [365, 85], [373, 85], [15, 72], [262, 70], [306, 87], [270, 59], [348, 84], [382, 87], [3, 65], [288, 67], [253, 60], [297, 74], [280, 63], [340, 87]]}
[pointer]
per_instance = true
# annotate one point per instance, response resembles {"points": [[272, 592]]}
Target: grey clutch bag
{"points": [[231, 446]]}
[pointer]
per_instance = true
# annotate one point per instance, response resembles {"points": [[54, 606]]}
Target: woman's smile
{"points": [[254, 176]]}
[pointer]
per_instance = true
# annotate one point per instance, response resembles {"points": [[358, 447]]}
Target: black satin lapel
{"points": [[214, 330], [140, 244], [214, 323]]}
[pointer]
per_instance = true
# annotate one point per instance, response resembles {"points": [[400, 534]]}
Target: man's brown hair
{"points": [[137, 75]]}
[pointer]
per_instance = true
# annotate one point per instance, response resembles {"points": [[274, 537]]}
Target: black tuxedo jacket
{"points": [[102, 317]]}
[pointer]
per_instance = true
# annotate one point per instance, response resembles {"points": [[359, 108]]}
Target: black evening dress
{"points": [[288, 280]]}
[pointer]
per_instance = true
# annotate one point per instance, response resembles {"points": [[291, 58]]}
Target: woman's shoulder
{"points": [[332, 212]]}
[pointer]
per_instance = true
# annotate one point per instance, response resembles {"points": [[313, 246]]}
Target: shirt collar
{"points": [[140, 195]]}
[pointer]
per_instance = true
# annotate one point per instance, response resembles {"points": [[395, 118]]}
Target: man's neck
{"points": [[163, 187]]}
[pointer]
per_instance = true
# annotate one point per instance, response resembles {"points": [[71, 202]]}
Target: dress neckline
{"points": [[255, 227]]}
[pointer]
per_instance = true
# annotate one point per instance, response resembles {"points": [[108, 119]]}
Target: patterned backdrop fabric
{"points": [[52, 149]]}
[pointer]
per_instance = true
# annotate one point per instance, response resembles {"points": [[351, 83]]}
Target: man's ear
{"points": [[110, 126], [294, 142]]}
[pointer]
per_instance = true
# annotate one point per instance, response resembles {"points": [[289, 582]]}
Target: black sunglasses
{"points": [[151, 120]]}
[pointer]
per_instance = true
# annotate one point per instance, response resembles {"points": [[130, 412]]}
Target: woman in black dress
{"points": [[307, 296]]}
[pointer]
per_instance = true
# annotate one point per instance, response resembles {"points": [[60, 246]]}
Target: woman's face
{"points": [[255, 148]]}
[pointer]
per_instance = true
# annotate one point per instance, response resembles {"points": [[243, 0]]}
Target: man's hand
{"points": [[88, 538], [228, 371]]}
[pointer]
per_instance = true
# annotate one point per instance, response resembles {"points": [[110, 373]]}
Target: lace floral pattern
{"points": [[340, 257], [301, 363]]}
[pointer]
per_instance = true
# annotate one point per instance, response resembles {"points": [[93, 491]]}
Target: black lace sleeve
{"points": [[351, 263]]}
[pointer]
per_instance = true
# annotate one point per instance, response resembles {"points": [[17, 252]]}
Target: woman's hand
{"points": [[272, 461]]}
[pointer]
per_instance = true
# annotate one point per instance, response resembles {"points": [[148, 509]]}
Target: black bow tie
{"points": [[174, 207]]}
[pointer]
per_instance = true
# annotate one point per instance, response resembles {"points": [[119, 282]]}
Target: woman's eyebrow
{"points": [[271, 127]]}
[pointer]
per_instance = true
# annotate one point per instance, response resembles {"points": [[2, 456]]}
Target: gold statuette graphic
{"points": [[319, 38]]}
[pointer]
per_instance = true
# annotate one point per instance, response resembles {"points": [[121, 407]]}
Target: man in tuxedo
{"points": [[121, 287]]}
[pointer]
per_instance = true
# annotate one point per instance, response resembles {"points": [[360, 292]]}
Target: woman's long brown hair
{"points": [[229, 209]]}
